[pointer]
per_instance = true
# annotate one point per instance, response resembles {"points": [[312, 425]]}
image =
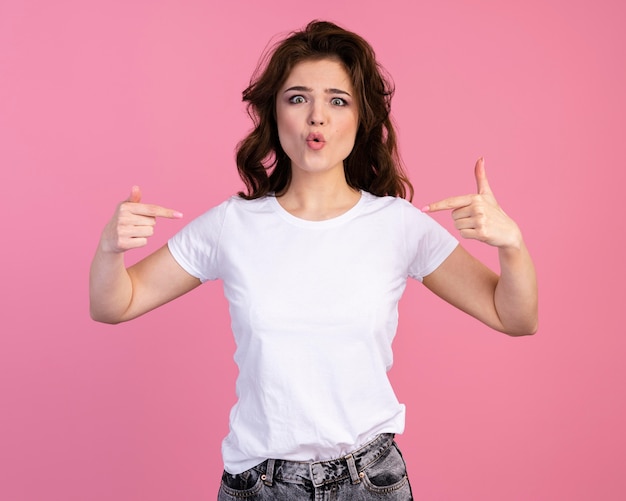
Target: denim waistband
{"points": [[325, 472]]}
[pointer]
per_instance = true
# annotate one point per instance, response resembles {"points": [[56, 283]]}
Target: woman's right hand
{"points": [[133, 223], [117, 294]]}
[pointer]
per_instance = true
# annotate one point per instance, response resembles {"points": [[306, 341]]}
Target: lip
{"points": [[315, 136], [315, 141]]}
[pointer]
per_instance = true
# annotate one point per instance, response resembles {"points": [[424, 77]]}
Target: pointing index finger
{"points": [[448, 203], [152, 210], [158, 211]]}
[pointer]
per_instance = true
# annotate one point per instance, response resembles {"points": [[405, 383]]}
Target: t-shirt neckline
{"points": [[324, 223]]}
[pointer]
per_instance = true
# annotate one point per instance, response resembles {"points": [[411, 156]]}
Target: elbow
{"points": [[102, 318], [521, 333], [523, 330]]}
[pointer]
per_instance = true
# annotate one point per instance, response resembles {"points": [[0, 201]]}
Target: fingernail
{"points": [[426, 208], [177, 215]]}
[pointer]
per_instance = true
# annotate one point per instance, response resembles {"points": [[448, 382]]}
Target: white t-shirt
{"points": [[313, 306]]}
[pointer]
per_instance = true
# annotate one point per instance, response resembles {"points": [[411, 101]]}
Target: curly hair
{"points": [[374, 163]]}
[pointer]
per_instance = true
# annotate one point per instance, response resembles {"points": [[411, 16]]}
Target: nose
{"points": [[317, 116]]}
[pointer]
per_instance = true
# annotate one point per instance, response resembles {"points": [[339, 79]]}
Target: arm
{"points": [[118, 294], [508, 302]]}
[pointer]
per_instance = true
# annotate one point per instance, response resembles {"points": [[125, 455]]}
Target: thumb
{"points": [[482, 185], [135, 194]]}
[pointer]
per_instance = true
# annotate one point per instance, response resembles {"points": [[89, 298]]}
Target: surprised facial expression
{"points": [[317, 116]]}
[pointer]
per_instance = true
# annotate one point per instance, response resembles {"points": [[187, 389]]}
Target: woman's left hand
{"points": [[478, 216]]}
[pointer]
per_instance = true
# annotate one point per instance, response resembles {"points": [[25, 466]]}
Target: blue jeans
{"points": [[376, 471]]}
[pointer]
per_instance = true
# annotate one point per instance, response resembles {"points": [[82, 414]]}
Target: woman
{"points": [[314, 258]]}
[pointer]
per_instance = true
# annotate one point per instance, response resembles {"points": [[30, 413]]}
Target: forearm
{"points": [[515, 295], [110, 287]]}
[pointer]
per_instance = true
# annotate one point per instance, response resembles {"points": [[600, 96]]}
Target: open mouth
{"points": [[315, 143], [315, 138]]}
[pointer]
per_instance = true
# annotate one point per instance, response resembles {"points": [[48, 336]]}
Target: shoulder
{"points": [[402, 215], [255, 205], [392, 206], [234, 205]]}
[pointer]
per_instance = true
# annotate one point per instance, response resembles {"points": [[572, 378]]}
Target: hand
{"points": [[132, 223], [478, 216]]}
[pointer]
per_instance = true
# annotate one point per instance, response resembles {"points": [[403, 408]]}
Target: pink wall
{"points": [[98, 95]]}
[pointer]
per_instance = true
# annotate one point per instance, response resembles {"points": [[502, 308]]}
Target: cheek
{"points": [[285, 124], [351, 124], [349, 129], [286, 135]]}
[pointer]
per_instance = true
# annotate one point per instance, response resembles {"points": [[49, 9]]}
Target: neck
{"points": [[317, 198]]}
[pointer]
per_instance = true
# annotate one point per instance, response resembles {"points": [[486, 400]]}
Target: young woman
{"points": [[314, 257]]}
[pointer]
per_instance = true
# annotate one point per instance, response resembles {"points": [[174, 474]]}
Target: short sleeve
{"points": [[428, 243], [196, 246]]}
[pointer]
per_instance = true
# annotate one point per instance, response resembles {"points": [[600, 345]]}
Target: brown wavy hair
{"points": [[374, 163]]}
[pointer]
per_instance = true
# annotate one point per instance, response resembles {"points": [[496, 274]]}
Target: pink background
{"points": [[98, 95]]}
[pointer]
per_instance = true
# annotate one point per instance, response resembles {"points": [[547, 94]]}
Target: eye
{"points": [[297, 99], [337, 101]]}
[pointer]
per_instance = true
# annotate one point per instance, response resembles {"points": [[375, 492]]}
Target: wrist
{"points": [[512, 250]]}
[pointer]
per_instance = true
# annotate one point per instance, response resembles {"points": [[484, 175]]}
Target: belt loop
{"points": [[316, 471], [268, 477], [354, 474]]}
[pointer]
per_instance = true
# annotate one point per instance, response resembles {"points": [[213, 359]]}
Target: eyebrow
{"points": [[301, 88]]}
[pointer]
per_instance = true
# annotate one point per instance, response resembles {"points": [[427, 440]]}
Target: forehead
{"points": [[323, 73]]}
